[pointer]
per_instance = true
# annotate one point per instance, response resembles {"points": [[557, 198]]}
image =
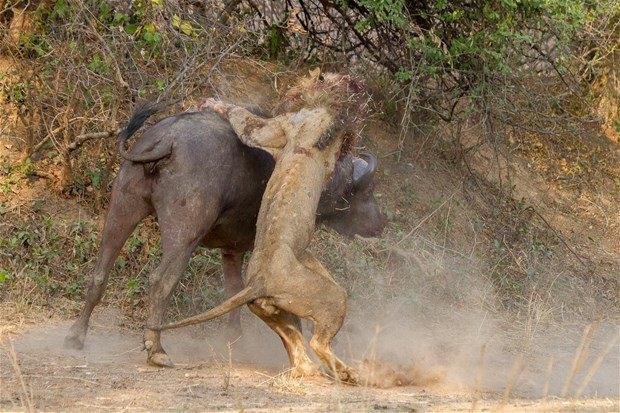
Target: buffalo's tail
{"points": [[139, 116], [242, 297]]}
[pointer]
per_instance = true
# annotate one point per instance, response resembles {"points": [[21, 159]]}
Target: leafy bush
{"points": [[441, 51]]}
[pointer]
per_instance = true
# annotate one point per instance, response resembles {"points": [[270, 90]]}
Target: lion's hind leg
{"points": [[314, 294], [328, 319], [288, 327]]}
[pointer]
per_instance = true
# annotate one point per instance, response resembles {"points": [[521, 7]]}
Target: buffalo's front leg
{"points": [[233, 283], [126, 210]]}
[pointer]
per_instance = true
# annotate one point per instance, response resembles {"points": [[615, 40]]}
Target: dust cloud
{"points": [[444, 327], [107, 342], [439, 325]]}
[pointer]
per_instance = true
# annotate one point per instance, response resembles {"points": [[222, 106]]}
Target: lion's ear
{"points": [[315, 73]]}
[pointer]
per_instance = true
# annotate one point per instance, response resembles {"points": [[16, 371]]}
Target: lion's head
{"points": [[343, 95]]}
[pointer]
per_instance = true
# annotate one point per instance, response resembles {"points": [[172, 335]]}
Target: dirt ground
{"points": [[37, 373]]}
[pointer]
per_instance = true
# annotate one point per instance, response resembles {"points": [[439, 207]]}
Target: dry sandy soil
{"points": [[111, 374]]}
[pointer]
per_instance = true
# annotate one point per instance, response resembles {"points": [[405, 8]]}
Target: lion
{"points": [[283, 279]]}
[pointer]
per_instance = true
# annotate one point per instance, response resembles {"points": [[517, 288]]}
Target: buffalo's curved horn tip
{"points": [[362, 176]]}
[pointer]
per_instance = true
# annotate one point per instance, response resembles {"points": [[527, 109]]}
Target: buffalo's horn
{"points": [[359, 168], [364, 168]]}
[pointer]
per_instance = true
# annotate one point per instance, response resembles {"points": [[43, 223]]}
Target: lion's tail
{"points": [[242, 297]]}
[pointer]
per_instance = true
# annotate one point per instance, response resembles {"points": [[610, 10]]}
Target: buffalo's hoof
{"points": [[74, 342], [160, 360]]}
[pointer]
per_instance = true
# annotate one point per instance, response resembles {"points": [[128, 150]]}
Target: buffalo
{"points": [[205, 187]]}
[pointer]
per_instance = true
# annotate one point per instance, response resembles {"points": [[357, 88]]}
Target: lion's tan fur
{"points": [[282, 277]]}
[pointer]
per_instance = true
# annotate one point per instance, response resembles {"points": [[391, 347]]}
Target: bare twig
{"points": [[560, 237], [423, 220], [479, 375], [26, 396], [117, 70], [230, 6], [85, 137], [595, 366], [53, 132], [517, 369], [548, 372], [579, 358]]}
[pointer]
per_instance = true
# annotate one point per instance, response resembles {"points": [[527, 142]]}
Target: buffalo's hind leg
{"points": [[127, 208], [232, 262], [182, 225]]}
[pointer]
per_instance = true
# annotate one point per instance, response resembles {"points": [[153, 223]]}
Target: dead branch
{"points": [[51, 133], [560, 237], [117, 70], [85, 137]]}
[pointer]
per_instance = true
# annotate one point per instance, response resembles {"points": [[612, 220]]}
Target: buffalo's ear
{"points": [[364, 168]]}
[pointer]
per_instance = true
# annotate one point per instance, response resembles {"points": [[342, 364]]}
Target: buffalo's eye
{"points": [[321, 77]]}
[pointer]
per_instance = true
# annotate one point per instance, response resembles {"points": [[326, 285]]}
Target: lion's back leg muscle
{"points": [[305, 288], [287, 326]]}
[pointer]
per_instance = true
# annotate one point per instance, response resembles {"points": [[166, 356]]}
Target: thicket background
{"points": [[454, 80]]}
